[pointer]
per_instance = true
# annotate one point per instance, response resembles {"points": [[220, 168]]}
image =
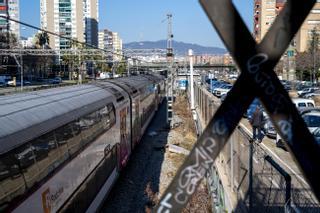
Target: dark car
{"points": [[252, 108], [316, 134], [3, 84], [269, 129], [56, 80]]}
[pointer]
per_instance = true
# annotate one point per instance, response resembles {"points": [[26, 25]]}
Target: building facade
{"points": [[117, 46], [77, 19], [264, 15], [91, 11], [112, 42], [265, 11], [11, 8], [303, 36]]}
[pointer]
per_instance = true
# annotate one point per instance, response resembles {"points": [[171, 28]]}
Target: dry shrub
{"points": [[199, 202], [152, 198]]}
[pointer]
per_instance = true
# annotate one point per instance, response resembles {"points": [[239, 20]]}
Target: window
{"points": [[310, 105], [23, 167]]}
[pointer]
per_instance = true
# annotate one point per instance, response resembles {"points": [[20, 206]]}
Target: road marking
{"points": [[277, 157]]}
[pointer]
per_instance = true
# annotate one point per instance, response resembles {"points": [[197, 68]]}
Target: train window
{"points": [[47, 156], [26, 158], [105, 118], [11, 179], [111, 159], [91, 130], [63, 134], [74, 143], [28, 164], [87, 121]]}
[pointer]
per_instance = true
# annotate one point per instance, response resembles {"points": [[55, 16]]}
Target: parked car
{"points": [[316, 134], [56, 80], [224, 89], [311, 117], [306, 90], [269, 129], [312, 94], [3, 84], [18, 83], [215, 85], [303, 102]]}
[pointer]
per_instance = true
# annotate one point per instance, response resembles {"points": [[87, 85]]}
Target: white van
{"points": [[299, 103], [303, 102]]}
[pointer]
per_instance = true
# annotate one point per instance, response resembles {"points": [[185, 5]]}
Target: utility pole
{"points": [[191, 79], [170, 57], [8, 23]]}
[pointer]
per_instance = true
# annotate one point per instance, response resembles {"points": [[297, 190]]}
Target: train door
{"points": [[125, 146], [136, 122]]}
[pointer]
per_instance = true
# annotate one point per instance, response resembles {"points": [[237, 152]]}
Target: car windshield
{"points": [[312, 120]]}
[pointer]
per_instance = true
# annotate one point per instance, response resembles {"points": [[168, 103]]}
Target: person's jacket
{"points": [[257, 118]]}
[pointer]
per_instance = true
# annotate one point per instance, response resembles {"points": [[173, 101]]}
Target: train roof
{"points": [[28, 115]]}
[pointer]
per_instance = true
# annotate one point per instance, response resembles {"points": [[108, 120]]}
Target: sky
{"points": [[145, 20]]}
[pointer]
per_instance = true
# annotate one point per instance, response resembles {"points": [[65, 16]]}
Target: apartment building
{"points": [[265, 12], [76, 19], [303, 36], [111, 41], [11, 8]]}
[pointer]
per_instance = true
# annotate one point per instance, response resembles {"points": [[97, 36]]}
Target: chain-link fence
{"points": [[249, 172]]}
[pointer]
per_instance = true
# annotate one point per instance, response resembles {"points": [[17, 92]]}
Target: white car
{"points": [[306, 90], [311, 117], [312, 94], [224, 89]]}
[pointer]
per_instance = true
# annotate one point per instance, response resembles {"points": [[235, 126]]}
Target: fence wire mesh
{"points": [[269, 186]]}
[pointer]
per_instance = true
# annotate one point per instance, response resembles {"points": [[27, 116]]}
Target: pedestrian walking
{"points": [[257, 122]]}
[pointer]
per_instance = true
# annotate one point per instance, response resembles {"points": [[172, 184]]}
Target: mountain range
{"points": [[179, 48]]}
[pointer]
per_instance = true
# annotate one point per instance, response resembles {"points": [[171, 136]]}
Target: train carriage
{"points": [[62, 149]]}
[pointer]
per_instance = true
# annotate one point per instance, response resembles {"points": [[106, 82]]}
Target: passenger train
{"points": [[62, 149]]}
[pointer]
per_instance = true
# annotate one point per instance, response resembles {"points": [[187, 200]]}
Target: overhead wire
{"points": [[68, 38]]}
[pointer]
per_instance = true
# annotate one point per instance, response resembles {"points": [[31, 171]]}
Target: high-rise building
{"points": [[304, 35], [264, 14], [265, 11], [77, 19], [106, 40], [117, 46], [111, 41], [91, 11], [11, 8]]}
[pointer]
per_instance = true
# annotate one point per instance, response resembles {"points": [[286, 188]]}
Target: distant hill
{"points": [[179, 48]]}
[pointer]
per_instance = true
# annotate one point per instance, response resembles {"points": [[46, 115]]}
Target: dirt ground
{"points": [[183, 136], [152, 166]]}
